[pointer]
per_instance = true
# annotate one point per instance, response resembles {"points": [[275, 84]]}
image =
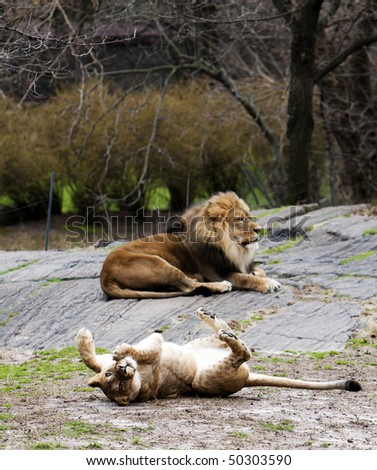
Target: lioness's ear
{"points": [[94, 381]]}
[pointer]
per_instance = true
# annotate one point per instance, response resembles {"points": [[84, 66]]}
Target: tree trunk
{"points": [[300, 102]]}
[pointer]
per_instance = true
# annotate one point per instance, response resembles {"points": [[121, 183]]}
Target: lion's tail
{"points": [[116, 292]]}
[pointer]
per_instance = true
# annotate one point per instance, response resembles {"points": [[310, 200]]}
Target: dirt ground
{"points": [[65, 414]]}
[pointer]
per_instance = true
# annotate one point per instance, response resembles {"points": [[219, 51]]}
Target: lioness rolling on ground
{"points": [[213, 254], [212, 366]]}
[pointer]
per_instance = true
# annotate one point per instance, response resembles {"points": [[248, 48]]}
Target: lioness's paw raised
{"points": [[84, 334], [204, 312], [121, 351], [227, 335]]}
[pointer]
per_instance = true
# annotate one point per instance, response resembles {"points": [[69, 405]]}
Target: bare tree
{"points": [[232, 44]]}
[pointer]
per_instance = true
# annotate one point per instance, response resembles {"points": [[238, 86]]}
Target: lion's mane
{"points": [[208, 228]]}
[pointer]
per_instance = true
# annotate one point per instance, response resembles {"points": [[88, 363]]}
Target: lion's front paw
{"points": [[258, 272], [225, 286], [270, 285]]}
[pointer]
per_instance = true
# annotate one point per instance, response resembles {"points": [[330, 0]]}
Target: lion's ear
{"points": [[95, 381], [216, 212]]}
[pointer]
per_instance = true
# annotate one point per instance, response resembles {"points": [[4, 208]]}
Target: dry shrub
{"points": [[26, 161], [103, 141], [206, 137]]}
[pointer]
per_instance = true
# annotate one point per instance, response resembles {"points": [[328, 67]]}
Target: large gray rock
{"points": [[46, 297]]}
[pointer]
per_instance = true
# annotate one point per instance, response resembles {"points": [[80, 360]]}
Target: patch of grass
{"points": [[6, 416], [370, 231], [20, 266], [280, 248], [240, 434], [285, 425], [326, 445], [256, 318], [52, 280], [161, 329], [271, 211], [240, 326], [350, 275], [292, 360], [45, 366], [358, 257], [150, 426], [343, 276], [94, 446], [9, 318], [274, 261], [356, 343], [342, 362], [83, 389], [46, 446], [318, 356], [75, 429], [5, 427]]}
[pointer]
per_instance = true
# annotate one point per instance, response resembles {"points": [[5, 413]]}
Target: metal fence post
{"points": [[49, 208]]}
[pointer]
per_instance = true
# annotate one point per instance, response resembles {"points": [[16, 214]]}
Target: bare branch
{"points": [[340, 58]]}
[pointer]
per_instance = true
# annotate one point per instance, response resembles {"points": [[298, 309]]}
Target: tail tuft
{"points": [[353, 386]]}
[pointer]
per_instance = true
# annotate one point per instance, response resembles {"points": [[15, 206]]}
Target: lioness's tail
{"points": [[260, 380]]}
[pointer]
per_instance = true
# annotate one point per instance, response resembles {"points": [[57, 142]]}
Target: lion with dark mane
{"points": [[212, 253]]}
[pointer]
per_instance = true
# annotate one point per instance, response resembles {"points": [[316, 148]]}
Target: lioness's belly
{"points": [[177, 371]]}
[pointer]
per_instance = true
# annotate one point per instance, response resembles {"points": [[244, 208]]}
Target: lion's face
{"points": [[119, 381], [225, 222], [229, 217], [241, 227]]}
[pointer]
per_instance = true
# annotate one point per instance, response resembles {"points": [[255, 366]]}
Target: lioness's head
{"points": [[224, 222], [119, 381]]}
